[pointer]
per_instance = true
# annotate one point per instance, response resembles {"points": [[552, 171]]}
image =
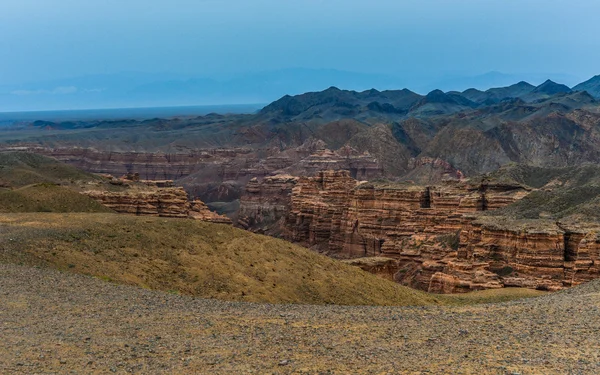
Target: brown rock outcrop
{"points": [[362, 166], [316, 208], [339, 215], [437, 235], [164, 202], [149, 165], [529, 253], [199, 211]]}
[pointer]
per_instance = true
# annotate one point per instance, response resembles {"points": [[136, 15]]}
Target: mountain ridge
{"points": [[135, 89]]}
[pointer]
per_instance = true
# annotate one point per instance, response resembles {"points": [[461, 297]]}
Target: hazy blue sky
{"points": [[47, 39]]}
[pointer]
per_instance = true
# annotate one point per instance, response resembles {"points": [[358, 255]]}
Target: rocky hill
{"points": [[34, 183], [46, 197], [560, 193], [446, 192], [592, 86], [20, 169]]}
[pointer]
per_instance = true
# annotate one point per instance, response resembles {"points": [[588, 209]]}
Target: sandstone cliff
{"points": [[537, 254], [430, 237], [151, 200]]}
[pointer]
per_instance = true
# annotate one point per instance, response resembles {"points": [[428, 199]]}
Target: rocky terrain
{"points": [[465, 195], [256, 169], [451, 237], [56, 322], [265, 204]]}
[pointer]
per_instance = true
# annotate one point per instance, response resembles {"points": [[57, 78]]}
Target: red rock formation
{"points": [[582, 258], [337, 214], [532, 253], [418, 227], [199, 211], [164, 202], [360, 165], [203, 173], [316, 207]]}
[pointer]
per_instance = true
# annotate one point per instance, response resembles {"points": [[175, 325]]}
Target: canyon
{"points": [[438, 238], [386, 180], [214, 175]]}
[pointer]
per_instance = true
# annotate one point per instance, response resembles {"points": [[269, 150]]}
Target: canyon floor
{"points": [[57, 322]]}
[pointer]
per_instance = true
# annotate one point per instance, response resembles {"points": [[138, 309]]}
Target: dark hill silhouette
{"points": [[592, 86], [551, 88]]}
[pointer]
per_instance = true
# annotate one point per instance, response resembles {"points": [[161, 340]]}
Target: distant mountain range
{"points": [[333, 104], [474, 131], [133, 89]]}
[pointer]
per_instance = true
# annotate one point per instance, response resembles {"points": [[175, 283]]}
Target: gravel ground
{"points": [[61, 323]]}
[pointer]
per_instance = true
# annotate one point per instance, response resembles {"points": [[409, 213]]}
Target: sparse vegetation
{"points": [[19, 169], [194, 258], [449, 240], [47, 197], [490, 296], [564, 192]]}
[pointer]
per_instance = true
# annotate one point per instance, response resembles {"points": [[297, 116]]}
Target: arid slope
{"points": [[61, 323], [194, 258], [47, 197]]}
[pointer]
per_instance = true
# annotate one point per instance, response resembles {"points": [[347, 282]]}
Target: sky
{"points": [[413, 39]]}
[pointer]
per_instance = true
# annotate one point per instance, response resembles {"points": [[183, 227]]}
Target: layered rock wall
{"points": [[199, 170], [529, 253], [437, 235], [163, 202], [361, 166], [154, 165]]}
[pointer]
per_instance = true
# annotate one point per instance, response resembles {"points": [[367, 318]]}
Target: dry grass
{"points": [[206, 260], [18, 169], [491, 296], [193, 258], [47, 197]]}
